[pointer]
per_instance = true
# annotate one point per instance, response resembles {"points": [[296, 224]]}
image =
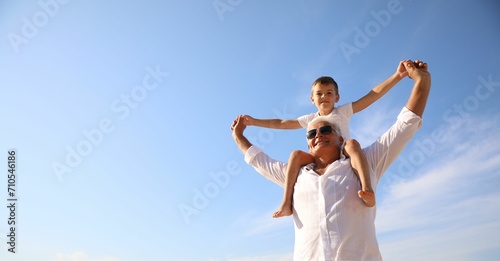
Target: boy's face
{"points": [[324, 97]]}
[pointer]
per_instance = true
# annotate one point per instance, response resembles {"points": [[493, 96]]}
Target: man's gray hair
{"points": [[332, 120]]}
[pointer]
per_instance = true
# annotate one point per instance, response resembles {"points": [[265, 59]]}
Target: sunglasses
{"points": [[323, 130]]}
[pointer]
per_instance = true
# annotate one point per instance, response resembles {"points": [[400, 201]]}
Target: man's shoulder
{"points": [[392, 142]]}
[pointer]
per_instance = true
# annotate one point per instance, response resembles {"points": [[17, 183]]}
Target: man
{"points": [[331, 223]]}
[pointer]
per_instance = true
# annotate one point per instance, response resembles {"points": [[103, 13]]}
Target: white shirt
{"points": [[341, 115], [331, 221]]}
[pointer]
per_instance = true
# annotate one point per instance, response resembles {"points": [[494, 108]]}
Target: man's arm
{"points": [[269, 168], [380, 90], [272, 123], [241, 141], [387, 148], [418, 71]]}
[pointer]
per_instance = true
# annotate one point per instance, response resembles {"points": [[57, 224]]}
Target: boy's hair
{"points": [[326, 80]]}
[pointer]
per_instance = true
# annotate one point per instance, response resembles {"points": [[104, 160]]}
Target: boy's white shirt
{"points": [[341, 114]]}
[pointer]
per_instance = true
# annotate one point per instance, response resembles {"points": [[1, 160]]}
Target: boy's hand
{"points": [[417, 70], [417, 64], [401, 71], [248, 120]]}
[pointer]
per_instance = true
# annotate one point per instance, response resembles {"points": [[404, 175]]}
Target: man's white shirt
{"points": [[331, 221]]}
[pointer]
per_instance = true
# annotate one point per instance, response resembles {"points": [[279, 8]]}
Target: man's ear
{"points": [[309, 147], [341, 140]]}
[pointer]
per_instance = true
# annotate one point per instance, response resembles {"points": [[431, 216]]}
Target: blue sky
{"points": [[120, 114]]}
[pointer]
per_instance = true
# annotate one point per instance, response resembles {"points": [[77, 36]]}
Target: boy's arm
{"points": [[272, 123], [380, 89], [387, 148]]}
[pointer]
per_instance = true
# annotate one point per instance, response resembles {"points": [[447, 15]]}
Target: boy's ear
{"points": [[312, 99], [338, 98]]}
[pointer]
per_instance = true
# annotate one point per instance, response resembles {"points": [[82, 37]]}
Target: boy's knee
{"points": [[352, 145], [297, 153], [301, 156]]}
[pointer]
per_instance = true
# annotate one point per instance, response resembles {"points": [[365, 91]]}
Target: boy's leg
{"points": [[359, 164], [297, 159]]}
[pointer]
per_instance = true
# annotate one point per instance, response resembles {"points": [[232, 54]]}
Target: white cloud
{"points": [[253, 224], [258, 231], [444, 244], [81, 256], [265, 224], [275, 257], [450, 211]]}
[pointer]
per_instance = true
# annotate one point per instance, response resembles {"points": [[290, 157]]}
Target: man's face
{"points": [[324, 139], [324, 96]]}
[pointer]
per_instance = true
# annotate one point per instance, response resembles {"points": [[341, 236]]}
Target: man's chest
{"points": [[337, 181]]}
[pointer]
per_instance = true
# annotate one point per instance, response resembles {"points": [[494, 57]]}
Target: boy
{"points": [[324, 95]]}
